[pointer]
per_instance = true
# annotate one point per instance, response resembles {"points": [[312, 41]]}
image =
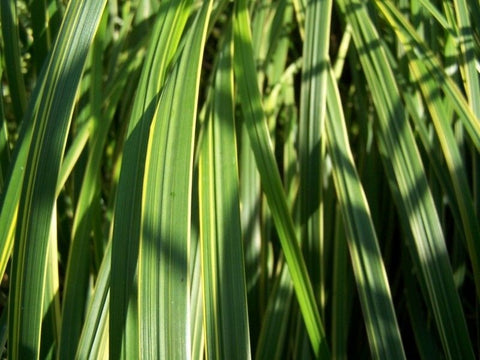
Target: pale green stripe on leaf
{"points": [[196, 299], [78, 265]]}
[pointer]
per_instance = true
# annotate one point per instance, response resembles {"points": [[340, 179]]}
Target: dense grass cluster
{"points": [[234, 179]]}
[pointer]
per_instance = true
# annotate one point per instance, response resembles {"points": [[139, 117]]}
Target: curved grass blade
{"points": [[51, 124], [77, 273], [370, 275], [10, 195], [164, 256], [260, 142]]}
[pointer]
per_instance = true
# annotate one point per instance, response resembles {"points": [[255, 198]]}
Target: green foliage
{"points": [[227, 180]]}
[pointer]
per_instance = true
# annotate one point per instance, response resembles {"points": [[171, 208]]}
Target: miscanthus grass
{"points": [[217, 179]]}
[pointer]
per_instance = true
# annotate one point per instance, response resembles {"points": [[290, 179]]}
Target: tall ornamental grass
{"points": [[266, 179]]}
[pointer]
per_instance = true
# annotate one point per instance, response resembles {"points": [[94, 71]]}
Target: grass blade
{"points": [[311, 137], [126, 229], [77, 273], [261, 145], [276, 317], [90, 342], [413, 44], [413, 196], [51, 125], [224, 289], [431, 91], [368, 268], [164, 254]]}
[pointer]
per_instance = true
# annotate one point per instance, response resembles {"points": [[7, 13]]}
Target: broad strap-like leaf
{"points": [[164, 253], [78, 266], [164, 41], [223, 270], [51, 124], [311, 142]]}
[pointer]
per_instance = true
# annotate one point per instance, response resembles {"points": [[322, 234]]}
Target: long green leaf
{"points": [[368, 268], [76, 278], [422, 74], [10, 195], [311, 135], [259, 138], [51, 311], [412, 43], [409, 185], [96, 320], [51, 125], [276, 317], [455, 164], [224, 289], [164, 254], [127, 214]]}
